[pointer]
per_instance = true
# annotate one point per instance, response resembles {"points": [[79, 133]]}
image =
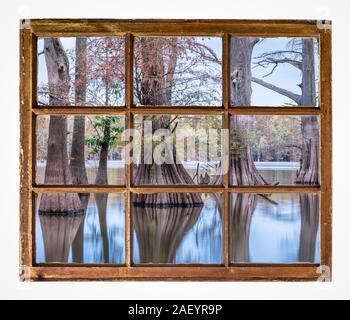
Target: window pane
{"points": [[271, 150], [178, 149], [274, 71], [275, 228], [177, 228], [80, 228], [81, 71], [178, 71], [79, 150]]}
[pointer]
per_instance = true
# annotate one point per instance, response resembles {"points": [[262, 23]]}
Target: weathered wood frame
{"points": [[32, 29]]}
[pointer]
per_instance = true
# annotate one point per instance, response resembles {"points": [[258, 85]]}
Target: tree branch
{"points": [[264, 63], [293, 96]]}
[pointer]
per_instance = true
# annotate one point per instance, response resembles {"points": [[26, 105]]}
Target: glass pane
{"points": [[275, 228], [177, 149], [274, 150], [81, 71], [274, 71], [80, 228], [178, 71], [177, 228], [79, 150]]}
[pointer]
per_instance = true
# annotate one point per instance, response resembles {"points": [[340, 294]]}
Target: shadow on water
{"points": [[96, 236], [282, 232]]}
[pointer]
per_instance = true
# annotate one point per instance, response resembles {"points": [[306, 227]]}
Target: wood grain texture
{"points": [[26, 154], [326, 149], [68, 27], [175, 273]]}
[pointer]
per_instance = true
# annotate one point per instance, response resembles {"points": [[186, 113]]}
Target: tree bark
{"points": [[152, 69], [102, 173], [77, 162], [243, 168], [309, 166], [57, 168]]}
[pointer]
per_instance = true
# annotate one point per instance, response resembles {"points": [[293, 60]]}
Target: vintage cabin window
{"points": [[175, 150]]}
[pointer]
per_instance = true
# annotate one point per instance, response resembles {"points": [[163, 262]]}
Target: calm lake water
{"points": [[281, 176], [282, 229], [116, 176], [116, 172], [281, 232], [102, 239], [182, 236]]}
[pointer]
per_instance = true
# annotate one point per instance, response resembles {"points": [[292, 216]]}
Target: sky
{"points": [[284, 76]]}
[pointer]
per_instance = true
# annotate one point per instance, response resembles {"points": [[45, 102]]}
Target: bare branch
{"points": [[279, 52], [213, 57], [293, 96], [266, 59]]}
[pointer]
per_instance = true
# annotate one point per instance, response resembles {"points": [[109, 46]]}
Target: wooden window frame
{"points": [[29, 110]]}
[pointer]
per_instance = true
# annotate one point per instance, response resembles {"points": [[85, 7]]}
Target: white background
{"points": [[12, 11]]}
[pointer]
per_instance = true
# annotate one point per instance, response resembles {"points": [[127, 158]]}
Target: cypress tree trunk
{"points": [[156, 90], [77, 162], [102, 178], [309, 168], [57, 169], [243, 168], [102, 198]]}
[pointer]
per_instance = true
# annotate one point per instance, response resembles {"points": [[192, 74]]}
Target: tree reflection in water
{"points": [[243, 207], [58, 234], [78, 242], [261, 231], [280, 232], [95, 236], [101, 201], [309, 204], [161, 231]]}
